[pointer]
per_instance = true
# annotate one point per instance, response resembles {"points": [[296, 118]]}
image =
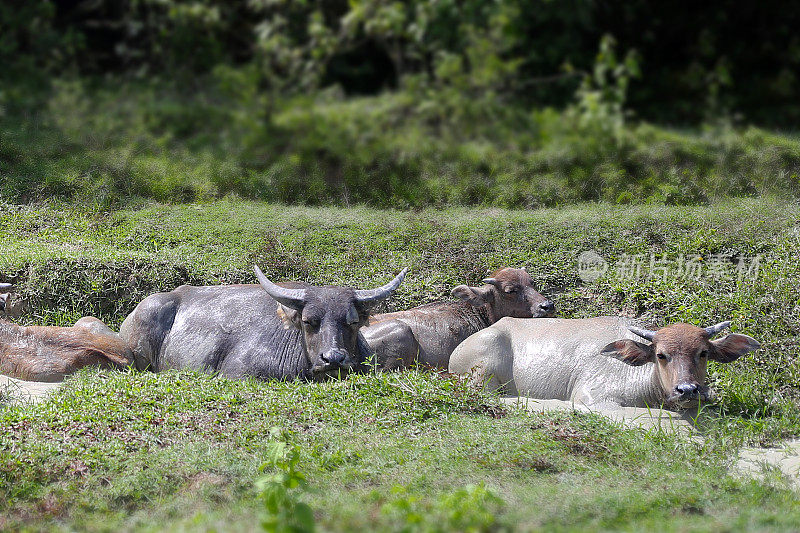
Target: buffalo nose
{"points": [[334, 357], [687, 389], [547, 307]]}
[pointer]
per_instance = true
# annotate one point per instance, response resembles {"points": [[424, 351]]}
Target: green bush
{"points": [[410, 148], [472, 508], [284, 512]]}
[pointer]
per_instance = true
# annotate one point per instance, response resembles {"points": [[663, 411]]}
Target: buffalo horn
{"points": [[489, 281], [644, 333], [5, 286], [716, 328], [292, 298], [373, 296]]}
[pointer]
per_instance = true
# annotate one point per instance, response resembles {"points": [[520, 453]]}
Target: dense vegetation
{"points": [[407, 149], [515, 103], [696, 60]]}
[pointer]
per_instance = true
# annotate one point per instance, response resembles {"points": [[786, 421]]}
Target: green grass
{"points": [[140, 451], [119, 451]]}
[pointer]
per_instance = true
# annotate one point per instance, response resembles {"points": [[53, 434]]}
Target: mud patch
{"points": [[754, 462], [15, 390], [785, 458], [659, 419]]}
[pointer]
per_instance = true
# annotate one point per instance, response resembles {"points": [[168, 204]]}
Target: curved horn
{"points": [[5, 286], [643, 333], [294, 298], [373, 296], [489, 281], [716, 328]]}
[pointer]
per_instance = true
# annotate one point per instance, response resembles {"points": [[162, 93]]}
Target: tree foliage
{"points": [[696, 59]]}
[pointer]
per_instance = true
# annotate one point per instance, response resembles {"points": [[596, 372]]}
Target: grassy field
{"points": [[408, 451], [413, 451]]}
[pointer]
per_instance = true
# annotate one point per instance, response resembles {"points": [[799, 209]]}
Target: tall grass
{"points": [[109, 142]]}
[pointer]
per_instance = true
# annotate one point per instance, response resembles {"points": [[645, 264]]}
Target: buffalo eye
{"points": [[661, 356], [511, 290], [311, 322], [703, 354]]}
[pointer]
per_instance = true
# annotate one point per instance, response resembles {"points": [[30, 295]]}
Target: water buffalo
{"points": [[4, 296], [286, 331], [429, 334], [598, 361], [45, 353]]}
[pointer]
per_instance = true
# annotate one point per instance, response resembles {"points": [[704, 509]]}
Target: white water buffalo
{"points": [[286, 331], [598, 361], [428, 334]]}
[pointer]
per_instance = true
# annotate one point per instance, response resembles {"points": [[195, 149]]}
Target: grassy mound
{"points": [[407, 451], [68, 262]]}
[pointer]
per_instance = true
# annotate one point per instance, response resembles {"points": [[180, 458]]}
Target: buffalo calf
{"points": [[598, 360], [428, 334]]}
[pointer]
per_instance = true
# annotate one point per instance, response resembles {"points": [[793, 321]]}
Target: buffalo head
{"points": [[680, 353], [329, 318], [509, 292], [4, 296]]}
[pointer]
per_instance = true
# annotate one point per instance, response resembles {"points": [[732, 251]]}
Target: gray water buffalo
{"points": [[268, 331], [598, 361], [4, 296], [46, 353], [428, 334]]}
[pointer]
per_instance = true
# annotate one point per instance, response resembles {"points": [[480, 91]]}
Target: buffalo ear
{"points": [[732, 347], [117, 360], [289, 317], [630, 352], [476, 296]]}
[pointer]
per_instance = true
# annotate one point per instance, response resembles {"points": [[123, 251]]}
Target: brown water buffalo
{"points": [[598, 361], [267, 331], [428, 334], [45, 353]]}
